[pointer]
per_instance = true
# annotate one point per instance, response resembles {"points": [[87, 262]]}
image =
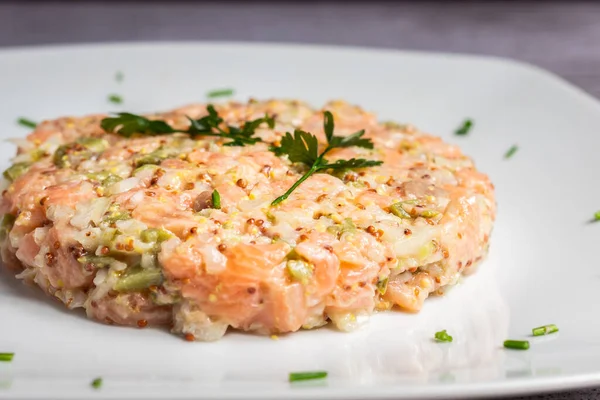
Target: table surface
{"points": [[561, 36]]}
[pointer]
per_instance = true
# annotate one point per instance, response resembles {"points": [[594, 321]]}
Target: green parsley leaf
{"points": [[27, 123], [355, 139], [127, 124], [216, 200], [115, 98], [207, 123], [464, 128], [442, 336], [6, 357], [306, 376], [220, 93], [343, 141], [303, 147], [511, 152], [328, 125], [97, 383]]}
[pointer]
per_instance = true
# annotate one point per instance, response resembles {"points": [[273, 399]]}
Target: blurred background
{"points": [[562, 36]]}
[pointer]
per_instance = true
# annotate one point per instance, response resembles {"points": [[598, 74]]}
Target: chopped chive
{"points": [[216, 200], [27, 123], [115, 98], [442, 336], [306, 376], [516, 344], [119, 76], [546, 329], [97, 383], [220, 93], [511, 152], [464, 128], [7, 357]]}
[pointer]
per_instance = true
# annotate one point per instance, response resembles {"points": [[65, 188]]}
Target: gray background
{"points": [[562, 36]]}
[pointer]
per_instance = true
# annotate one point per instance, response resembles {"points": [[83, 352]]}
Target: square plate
{"points": [[546, 193]]}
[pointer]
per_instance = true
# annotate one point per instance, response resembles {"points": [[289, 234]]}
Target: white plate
{"points": [[542, 268]]}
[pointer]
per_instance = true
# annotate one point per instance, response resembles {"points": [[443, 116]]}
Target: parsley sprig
{"points": [[303, 147], [127, 124]]}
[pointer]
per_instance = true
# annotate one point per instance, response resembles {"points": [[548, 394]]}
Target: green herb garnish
{"points": [[155, 235], [127, 124], [216, 200], [119, 76], [302, 147], [382, 285], [596, 216], [138, 278], [16, 170], [7, 223], [299, 270], [115, 98], [97, 383], [544, 330], [516, 344], [27, 123], [306, 376], [220, 93], [6, 357], [511, 152], [464, 128], [442, 336]]}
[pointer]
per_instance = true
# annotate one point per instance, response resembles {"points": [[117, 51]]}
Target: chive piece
{"points": [[154, 235], [382, 285], [16, 170], [97, 383], [464, 128], [216, 200], [442, 336], [115, 98], [27, 123], [516, 344], [7, 357], [220, 93], [119, 76], [511, 152], [299, 270], [139, 278], [307, 376], [429, 213], [544, 330], [398, 210]]}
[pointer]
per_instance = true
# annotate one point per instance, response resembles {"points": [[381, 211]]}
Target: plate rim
{"points": [[495, 388], [524, 66]]}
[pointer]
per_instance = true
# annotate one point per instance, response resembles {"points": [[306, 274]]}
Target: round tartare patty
{"points": [[126, 228]]}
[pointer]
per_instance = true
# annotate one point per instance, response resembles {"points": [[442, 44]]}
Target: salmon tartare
{"points": [[265, 216]]}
